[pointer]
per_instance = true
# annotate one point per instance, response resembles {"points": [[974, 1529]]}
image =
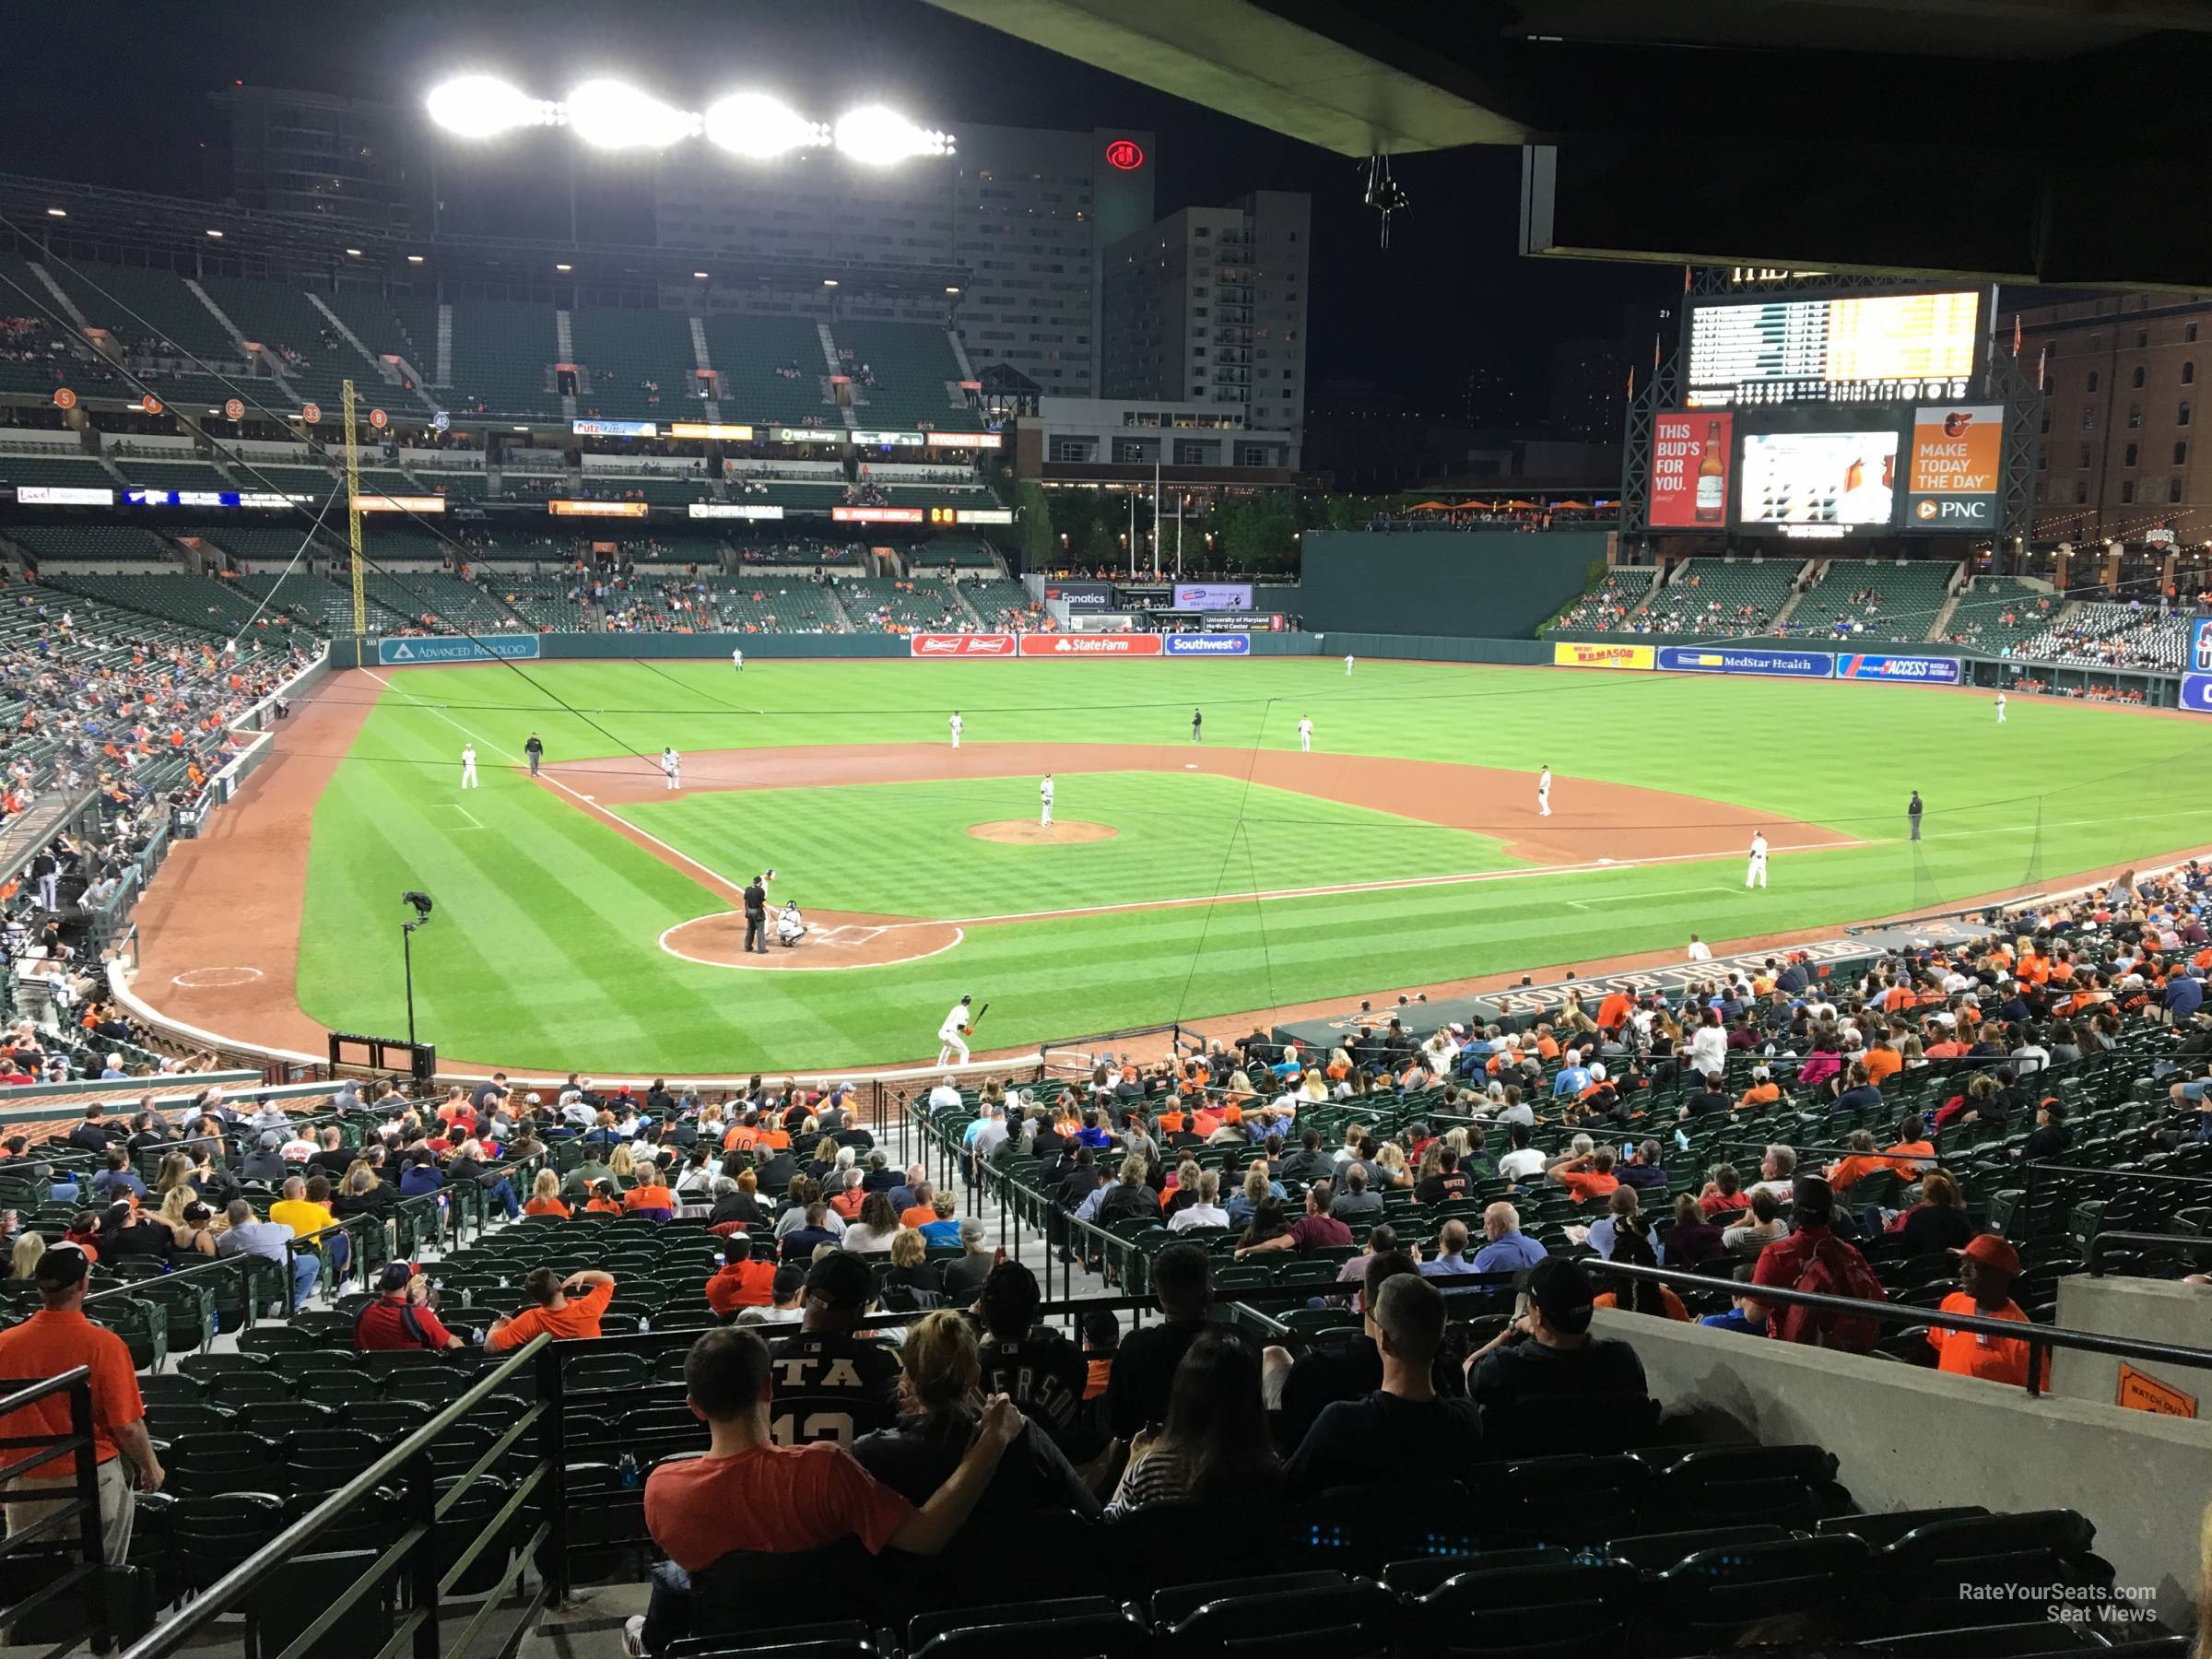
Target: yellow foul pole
{"points": [[353, 514]]}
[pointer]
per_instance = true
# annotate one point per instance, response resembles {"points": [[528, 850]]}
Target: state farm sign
{"points": [[1090, 645], [961, 645]]}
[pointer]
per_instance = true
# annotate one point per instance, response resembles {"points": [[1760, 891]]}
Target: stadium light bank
{"points": [[610, 114]]}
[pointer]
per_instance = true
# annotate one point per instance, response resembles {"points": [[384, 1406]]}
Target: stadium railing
{"points": [[76, 1502], [450, 1517]]}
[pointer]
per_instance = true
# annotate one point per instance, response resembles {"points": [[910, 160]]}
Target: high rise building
{"points": [[1025, 214], [1208, 306], [312, 154]]}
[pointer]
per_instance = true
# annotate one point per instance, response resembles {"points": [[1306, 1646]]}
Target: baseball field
{"points": [[588, 918]]}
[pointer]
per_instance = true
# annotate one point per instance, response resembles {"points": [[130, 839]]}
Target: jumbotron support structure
{"points": [[353, 511]]}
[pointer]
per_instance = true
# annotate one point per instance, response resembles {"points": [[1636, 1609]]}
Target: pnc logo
{"points": [[1926, 510], [1125, 155]]}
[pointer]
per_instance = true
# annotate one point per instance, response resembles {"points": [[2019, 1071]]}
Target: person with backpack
{"points": [[1813, 1259]]}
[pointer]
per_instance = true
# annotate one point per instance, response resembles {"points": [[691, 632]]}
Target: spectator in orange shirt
{"points": [[924, 1209], [1863, 1161], [1882, 1060], [552, 1312], [1589, 1176], [744, 1281], [651, 1197], [1986, 1269], [1914, 1155], [605, 1200], [1764, 1090], [545, 1196]]}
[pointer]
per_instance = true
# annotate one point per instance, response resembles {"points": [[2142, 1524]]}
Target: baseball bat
{"points": [[978, 1017]]}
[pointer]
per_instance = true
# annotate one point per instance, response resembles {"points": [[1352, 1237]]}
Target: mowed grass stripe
{"points": [[904, 849]]}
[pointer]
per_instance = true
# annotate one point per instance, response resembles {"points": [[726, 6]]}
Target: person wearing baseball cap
{"points": [[1987, 1267], [1548, 1349], [828, 1375], [56, 1338], [400, 1317]]}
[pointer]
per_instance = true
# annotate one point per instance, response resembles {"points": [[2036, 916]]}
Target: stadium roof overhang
{"points": [[1981, 138]]}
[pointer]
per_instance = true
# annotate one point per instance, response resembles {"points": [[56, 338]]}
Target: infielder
{"points": [[950, 1038], [1197, 720], [2000, 707], [1348, 667], [1755, 874], [672, 767], [1044, 795], [1305, 736], [468, 767], [737, 657], [1544, 792], [956, 729]]}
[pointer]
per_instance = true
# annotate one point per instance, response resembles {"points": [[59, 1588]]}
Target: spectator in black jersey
{"points": [[828, 1383], [1144, 1371], [1404, 1423], [1548, 1349], [1446, 1183], [1039, 1370], [940, 1402]]}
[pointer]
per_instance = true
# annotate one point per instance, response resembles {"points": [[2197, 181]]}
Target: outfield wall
{"points": [[1477, 584]]}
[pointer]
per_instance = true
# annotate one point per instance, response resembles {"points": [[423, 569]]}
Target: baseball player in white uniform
{"points": [[672, 767], [1044, 795], [1348, 667], [956, 729], [951, 1034], [1305, 735], [1755, 873], [468, 767], [2000, 707], [1544, 792], [737, 657]]}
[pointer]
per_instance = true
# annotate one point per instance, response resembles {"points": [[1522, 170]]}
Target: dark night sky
{"points": [[1450, 293]]}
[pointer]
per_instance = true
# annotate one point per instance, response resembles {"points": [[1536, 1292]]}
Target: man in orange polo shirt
{"points": [[1588, 1177], [58, 1338], [552, 1310], [1986, 1268], [745, 1281]]}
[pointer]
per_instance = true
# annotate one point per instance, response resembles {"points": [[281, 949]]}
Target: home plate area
{"points": [[834, 939]]}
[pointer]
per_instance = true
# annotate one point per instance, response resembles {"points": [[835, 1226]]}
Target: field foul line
{"points": [[589, 805], [1383, 885]]}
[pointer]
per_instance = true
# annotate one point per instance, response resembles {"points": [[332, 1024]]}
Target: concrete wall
{"points": [[2148, 1309], [1909, 1438]]}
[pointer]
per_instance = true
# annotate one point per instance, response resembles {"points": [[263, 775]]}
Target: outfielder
{"points": [[737, 657], [1348, 667], [672, 767], [956, 729], [1755, 873], [1044, 793], [2000, 707], [1305, 736], [1544, 792], [468, 765], [1197, 720], [950, 1038]]}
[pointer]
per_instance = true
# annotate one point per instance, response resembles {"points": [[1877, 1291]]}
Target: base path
{"points": [[1590, 823]]}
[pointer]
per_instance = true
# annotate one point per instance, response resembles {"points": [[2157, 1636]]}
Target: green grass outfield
{"points": [[545, 950]]}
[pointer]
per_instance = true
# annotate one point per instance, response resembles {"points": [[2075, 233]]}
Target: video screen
{"points": [[1819, 479]]}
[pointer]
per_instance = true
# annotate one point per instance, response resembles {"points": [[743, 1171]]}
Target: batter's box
{"points": [[850, 932]]}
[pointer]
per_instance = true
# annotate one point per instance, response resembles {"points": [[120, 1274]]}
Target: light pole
{"points": [[421, 905]]}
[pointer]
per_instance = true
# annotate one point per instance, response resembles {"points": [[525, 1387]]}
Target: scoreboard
{"points": [[1859, 347]]}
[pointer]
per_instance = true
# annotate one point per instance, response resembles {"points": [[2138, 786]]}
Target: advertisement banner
{"points": [[63, 495], [1584, 654], [1824, 478], [1954, 476], [1213, 596], [1690, 471], [974, 441], [809, 434], [1090, 645], [982, 515], [2200, 645], [873, 440], [384, 503], [736, 510], [401, 653], [2196, 693], [1902, 670], [710, 429], [1717, 659], [567, 509], [960, 646], [1081, 595], [876, 515], [1209, 644], [615, 429]]}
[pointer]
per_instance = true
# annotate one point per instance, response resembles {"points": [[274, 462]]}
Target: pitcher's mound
{"points": [[1027, 833]]}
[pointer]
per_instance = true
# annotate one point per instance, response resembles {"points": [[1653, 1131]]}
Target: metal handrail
{"points": [[225, 1592], [2136, 1240]]}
